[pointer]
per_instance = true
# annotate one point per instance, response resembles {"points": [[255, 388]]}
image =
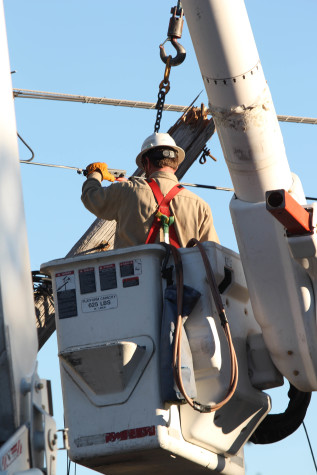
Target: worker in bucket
{"points": [[155, 208]]}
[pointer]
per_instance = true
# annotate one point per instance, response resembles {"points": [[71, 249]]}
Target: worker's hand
{"points": [[102, 168], [121, 178]]}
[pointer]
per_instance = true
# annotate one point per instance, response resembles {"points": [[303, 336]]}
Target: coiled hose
{"points": [[224, 323]]}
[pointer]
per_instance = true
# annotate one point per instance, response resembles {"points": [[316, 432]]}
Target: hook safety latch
{"points": [[174, 32]]}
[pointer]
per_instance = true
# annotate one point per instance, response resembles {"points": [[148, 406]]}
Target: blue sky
{"points": [[111, 49]]}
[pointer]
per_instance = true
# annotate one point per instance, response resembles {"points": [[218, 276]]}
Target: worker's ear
{"points": [[145, 162]]}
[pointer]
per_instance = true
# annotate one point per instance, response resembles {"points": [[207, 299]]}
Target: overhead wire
{"points": [[310, 447], [119, 173], [223, 188], [32, 94], [54, 96]]}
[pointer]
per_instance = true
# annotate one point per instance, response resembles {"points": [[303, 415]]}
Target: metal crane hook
{"points": [[180, 56], [175, 29]]}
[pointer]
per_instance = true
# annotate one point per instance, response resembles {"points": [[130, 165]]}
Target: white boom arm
{"points": [[240, 99], [24, 397], [280, 271]]}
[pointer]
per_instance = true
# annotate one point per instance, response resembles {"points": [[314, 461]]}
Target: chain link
{"points": [[163, 90], [159, 106]]}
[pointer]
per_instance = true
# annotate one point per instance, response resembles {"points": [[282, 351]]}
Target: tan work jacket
{"points": [[133, 206]]}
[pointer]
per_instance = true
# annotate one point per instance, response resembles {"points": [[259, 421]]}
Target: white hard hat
{"points": [[159, 140]]}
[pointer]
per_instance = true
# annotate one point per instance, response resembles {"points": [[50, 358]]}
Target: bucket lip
{"points": [[47, 267]]}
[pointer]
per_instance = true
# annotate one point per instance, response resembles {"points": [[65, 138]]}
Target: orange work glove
{"points": [[101, 168]]}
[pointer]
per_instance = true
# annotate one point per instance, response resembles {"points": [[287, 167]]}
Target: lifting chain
{"points": [[174, 32], [206, 153], [163, 90]]}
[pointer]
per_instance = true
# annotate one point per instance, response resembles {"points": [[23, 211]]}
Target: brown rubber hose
{"points": [[224, 323]]}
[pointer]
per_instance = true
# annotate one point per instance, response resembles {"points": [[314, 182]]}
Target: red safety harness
{"points": [[163, 207]]}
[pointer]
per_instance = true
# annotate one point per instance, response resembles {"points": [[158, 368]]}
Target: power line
{"points": [[310, 447], [118, 173], [222, 188], [55, 96]]}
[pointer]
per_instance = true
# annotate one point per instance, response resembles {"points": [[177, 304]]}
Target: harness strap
{"points": [[163, 207]]}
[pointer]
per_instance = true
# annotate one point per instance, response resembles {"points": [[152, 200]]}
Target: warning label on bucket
{"points": [[108, 277], [87, 280], [133, 267], [95, 304], [66, 294]]}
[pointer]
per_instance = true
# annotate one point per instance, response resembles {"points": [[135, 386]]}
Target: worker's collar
{"points": [[166, 175]]}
